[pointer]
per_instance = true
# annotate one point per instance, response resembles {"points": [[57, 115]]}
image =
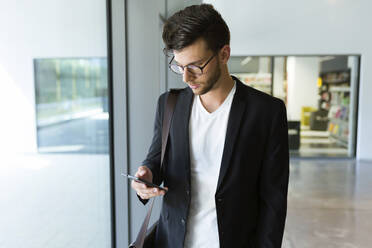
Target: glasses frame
{"points": [[179, 72]]}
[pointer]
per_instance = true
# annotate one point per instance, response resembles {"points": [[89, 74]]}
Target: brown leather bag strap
{"points": [[167, 118], [168, 113]]}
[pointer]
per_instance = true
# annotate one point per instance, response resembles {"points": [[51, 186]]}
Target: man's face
{"points": [[198, 54]]}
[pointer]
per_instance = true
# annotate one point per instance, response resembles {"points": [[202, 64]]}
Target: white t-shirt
{"points": [[207, 139]]}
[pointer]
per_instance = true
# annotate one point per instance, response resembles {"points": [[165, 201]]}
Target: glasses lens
{"points": [[177, 69], [194, 70]]}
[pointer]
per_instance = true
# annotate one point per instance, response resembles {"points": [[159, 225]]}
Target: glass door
{"points": [[55, 167]]}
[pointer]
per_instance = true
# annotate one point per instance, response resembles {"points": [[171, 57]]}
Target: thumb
{"points": [[141, 171]]}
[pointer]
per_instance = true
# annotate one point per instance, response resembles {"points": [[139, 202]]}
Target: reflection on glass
{"points": [[71, 105]]}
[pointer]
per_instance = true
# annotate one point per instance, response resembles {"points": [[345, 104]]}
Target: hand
{"points": [[144, 191]]}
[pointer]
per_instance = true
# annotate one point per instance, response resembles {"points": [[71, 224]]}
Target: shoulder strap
{"points": [[167, 118], [168, 113]]}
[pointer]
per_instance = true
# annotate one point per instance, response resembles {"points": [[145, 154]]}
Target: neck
{"points": [[216, 96]]}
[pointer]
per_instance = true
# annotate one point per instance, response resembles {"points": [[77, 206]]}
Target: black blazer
{"points": [[251, 195]]}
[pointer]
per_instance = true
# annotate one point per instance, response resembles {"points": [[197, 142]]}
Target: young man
{"points": [[226, 164]]}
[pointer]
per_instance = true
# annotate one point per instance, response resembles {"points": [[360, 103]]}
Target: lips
{"points": [[194, 86]]}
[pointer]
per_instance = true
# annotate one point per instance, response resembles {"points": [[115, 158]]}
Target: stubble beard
{"points": [[210, 83]]}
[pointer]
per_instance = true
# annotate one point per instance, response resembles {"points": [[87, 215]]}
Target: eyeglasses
{"points": [[193, 69]]}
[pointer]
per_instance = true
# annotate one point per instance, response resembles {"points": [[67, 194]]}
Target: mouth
{"points": [[194, 86]]}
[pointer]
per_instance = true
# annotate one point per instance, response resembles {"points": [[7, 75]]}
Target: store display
{"points": [[321, 117], [337, 84], [319, 120], [305, 115], [259, 81]]}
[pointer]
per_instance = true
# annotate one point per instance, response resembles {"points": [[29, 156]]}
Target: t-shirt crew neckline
{"points": [[205, 112]]}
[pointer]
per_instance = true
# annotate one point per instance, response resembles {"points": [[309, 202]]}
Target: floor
{"points": [[55, 201], [329, 204], [59, 201]]}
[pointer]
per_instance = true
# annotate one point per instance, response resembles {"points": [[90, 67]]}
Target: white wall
{"points": [[292, 27], [302, 89], [40, 29]]}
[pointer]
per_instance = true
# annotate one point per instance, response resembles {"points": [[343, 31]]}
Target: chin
{"points": [[200, 91], [197, 92]]}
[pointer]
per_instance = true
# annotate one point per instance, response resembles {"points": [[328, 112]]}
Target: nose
{"points": [[187, 76]]}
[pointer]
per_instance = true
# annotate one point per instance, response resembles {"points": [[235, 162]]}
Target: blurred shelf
{"points": [[339, 121], [340, 140], [339, 89]]}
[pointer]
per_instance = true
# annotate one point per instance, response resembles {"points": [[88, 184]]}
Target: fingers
{"points": [[141, 171], [149, 192], [146, 192], [144, 173]]}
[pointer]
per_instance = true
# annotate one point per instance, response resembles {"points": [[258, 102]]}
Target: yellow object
{"points": [[320, 82], [305, 115], [330, 127], [335, 131]]}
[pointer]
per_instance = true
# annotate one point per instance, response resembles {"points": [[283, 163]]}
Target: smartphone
{"points": [[137, 179]]}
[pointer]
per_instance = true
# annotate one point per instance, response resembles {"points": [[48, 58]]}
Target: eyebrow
{"points": [[192, 63]]}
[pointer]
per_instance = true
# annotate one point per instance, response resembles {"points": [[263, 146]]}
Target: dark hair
{"points": [[194, 22]]}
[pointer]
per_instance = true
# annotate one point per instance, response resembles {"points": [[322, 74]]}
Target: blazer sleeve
{"points": [[153, 157], [273, 184]]}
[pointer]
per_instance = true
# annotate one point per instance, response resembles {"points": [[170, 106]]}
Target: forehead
{"points": [[192, 53]]}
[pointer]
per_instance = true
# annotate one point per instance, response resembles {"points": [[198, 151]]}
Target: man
{"points": [[226, 164]]}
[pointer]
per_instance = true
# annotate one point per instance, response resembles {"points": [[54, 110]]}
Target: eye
{"points": [[192, 67]]}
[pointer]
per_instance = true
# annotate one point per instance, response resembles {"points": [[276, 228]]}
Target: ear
{"points": [[224, 54]]}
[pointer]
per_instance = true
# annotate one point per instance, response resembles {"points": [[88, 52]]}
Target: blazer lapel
{"points": [[233, 126]]}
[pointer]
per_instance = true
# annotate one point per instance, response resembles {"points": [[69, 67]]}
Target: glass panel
{"points": [[320, 93], [253, 71], [71, 105], [55, 164], [321, 98]]}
